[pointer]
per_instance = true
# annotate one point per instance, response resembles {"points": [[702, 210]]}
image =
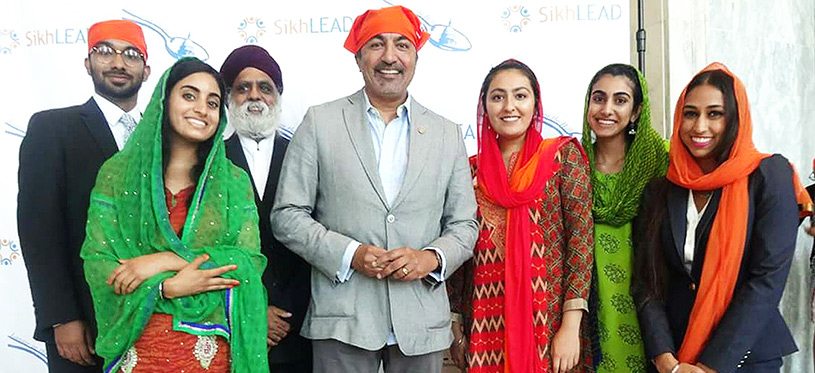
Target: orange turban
{"points": [[396, 19], [119, 30]]}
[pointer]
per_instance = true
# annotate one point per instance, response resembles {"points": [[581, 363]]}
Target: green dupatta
{"points": [[645, 159], [128, 218]]}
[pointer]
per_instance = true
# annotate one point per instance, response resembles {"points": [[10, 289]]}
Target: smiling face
{"points": [[253, 85], [194, 108], [703, 124], [116, 80], [611, 107], [510, 104], [387, 63]]}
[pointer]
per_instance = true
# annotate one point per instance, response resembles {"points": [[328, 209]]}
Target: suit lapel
{"points": [[419, 140], [98, 127], [234, 151], [279, 151], [360, 134], [703, 231], [677, 214]]}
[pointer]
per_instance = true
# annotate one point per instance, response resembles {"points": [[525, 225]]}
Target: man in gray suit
{"points": [[376, 183]]}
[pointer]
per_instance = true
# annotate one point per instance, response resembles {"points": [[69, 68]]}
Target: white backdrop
{"points": [[43, 44]]}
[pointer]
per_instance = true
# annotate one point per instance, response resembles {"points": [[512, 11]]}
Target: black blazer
{"points": [[287, 276], [60, 156], [752, 329]]}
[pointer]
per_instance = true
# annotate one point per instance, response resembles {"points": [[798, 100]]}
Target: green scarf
{"points": [[128, 218], [646, 158]]}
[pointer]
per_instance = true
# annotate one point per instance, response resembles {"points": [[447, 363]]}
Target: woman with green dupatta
{"points": [[625, 153], [172, 253]]}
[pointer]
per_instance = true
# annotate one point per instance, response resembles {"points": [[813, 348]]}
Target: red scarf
{"points": [[536, 164]]}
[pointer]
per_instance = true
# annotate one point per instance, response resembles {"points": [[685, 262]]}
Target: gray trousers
{"points": [[332, 356]]}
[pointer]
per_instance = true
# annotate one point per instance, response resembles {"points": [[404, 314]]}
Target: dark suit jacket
{"points": [[59, 158], [752, 329], [287, 277]]}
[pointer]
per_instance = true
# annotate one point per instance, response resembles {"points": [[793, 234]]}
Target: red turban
{"points": [[120, 30], [396, 19]]}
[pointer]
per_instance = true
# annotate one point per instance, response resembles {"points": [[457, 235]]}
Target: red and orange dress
{"points": [[162, 349], [559, 274]]}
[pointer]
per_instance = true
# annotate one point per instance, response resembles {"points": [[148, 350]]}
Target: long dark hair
{"points": [[649, 278], [724, 83], [630, 73], [179, 71], [511, 65]]}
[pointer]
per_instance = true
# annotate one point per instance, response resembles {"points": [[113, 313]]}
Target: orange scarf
{"points": [[728, 234]]}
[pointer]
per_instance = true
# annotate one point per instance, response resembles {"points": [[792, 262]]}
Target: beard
{"points": [[256, 126], [110, 90]]}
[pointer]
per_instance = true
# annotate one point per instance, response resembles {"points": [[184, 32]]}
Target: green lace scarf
{"points": [[646, 158], [128, 218]]}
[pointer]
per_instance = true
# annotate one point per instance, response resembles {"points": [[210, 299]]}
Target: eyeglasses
{"points": [[130, 55], [812, 176]]}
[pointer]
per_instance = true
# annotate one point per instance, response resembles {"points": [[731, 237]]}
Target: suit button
{"points": [[391, 219], [692, 286]]}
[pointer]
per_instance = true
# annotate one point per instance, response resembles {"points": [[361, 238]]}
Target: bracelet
{"points": [[161, 291], [675, 368]]}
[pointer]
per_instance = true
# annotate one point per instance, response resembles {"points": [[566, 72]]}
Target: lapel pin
{"points": [[422, 130]]}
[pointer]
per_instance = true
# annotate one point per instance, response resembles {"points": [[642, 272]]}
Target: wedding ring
{"points": [[405, 271]]}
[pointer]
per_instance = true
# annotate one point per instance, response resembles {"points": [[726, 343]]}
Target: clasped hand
{"points": [[666, 362], [403, 264]]}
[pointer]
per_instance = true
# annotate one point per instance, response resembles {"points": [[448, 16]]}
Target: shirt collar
{"points": [[405, 107], [111, 112], [264, 142]]}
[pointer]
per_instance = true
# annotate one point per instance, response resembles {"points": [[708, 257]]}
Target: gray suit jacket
{"points": [[330, 193]]}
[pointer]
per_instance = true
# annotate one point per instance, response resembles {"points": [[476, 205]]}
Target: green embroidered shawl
{"points": [[646, 158], [128, 218]]}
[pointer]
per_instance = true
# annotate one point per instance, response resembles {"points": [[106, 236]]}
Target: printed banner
{"points": [[43, 45]]}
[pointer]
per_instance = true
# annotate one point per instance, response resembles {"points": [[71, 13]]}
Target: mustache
{"points": [[116, 72], [254, 105], [254, 125], [390, 66]]}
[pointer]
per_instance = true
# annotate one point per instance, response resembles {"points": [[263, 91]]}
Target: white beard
{"points": [[256, 126]]}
